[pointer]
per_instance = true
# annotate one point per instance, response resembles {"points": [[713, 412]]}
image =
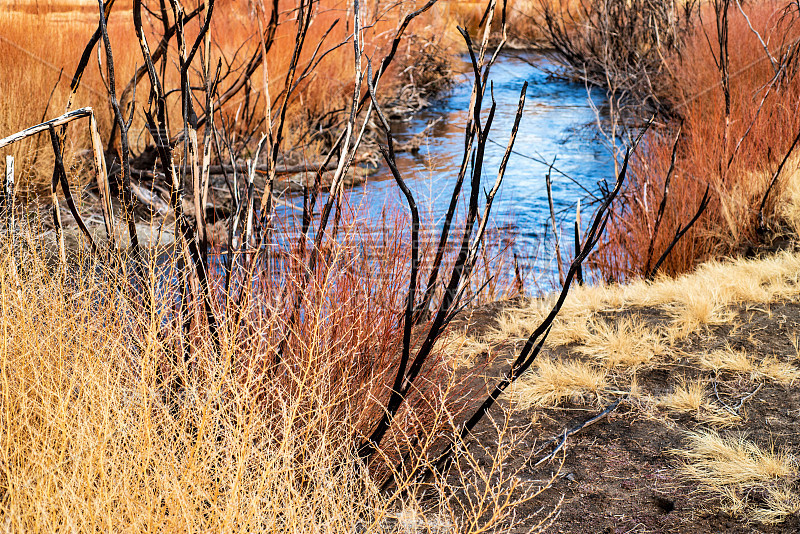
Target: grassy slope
{"points": [[708, 369]]}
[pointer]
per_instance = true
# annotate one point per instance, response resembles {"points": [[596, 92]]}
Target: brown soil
{"points": [[619, 475]]}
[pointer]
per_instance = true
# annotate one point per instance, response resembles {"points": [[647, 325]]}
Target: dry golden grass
{"points": [[768, 368], [514, 324], [691, 396], [551, 382], [587, 324], [626, 343], [95, 438], [89, 442], [733, 469], [718, 418], [701, 297], [461, 349], [694, 311], [570, 326], [688, 396], [693, 300]]}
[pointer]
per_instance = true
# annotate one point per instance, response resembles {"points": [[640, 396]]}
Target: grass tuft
{"points": [[626, 343], [688, 396], [736, 471], [769, 368], [552, 382]]}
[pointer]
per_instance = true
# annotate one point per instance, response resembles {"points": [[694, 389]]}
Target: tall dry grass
{"points": [[524, 19], [735, 156], [97, 434], [40, 39], [129, 406]]}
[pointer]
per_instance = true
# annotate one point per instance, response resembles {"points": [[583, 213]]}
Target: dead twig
{"points": [[97, 152], [123, 125], [574, 430], [735, 410], [559, 259], [662, 205], [61, 173]]}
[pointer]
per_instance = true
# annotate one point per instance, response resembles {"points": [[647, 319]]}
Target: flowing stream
{"points": [[556, 128], [556, 133]]}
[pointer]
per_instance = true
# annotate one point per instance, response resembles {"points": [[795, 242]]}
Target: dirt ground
{"points": [[622, 474]]}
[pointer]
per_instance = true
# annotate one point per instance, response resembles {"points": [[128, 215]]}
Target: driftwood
{"points": [[45, 126], [218, 170], [97, 152], [151, 200]]}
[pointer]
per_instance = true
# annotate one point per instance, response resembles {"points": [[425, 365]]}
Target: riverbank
{"points": [[668, 406]]}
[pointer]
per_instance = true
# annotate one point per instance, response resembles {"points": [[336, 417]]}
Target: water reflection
{"points": [[553, 130]]}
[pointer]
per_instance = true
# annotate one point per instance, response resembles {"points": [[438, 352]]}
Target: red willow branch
{"points": [[405, 380], [663, 204]]}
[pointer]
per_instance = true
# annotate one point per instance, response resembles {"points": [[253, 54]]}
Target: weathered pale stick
{"points": [[97, 152], [8, 208], [559, 260], [43, 127], [8, 197], [102, 180]]}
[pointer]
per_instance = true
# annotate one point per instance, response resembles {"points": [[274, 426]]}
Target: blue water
{"points": [[557, 126]]}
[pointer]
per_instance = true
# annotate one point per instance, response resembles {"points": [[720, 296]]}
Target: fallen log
{"points": [[151, 200], [217, 170], [280, 169]]}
